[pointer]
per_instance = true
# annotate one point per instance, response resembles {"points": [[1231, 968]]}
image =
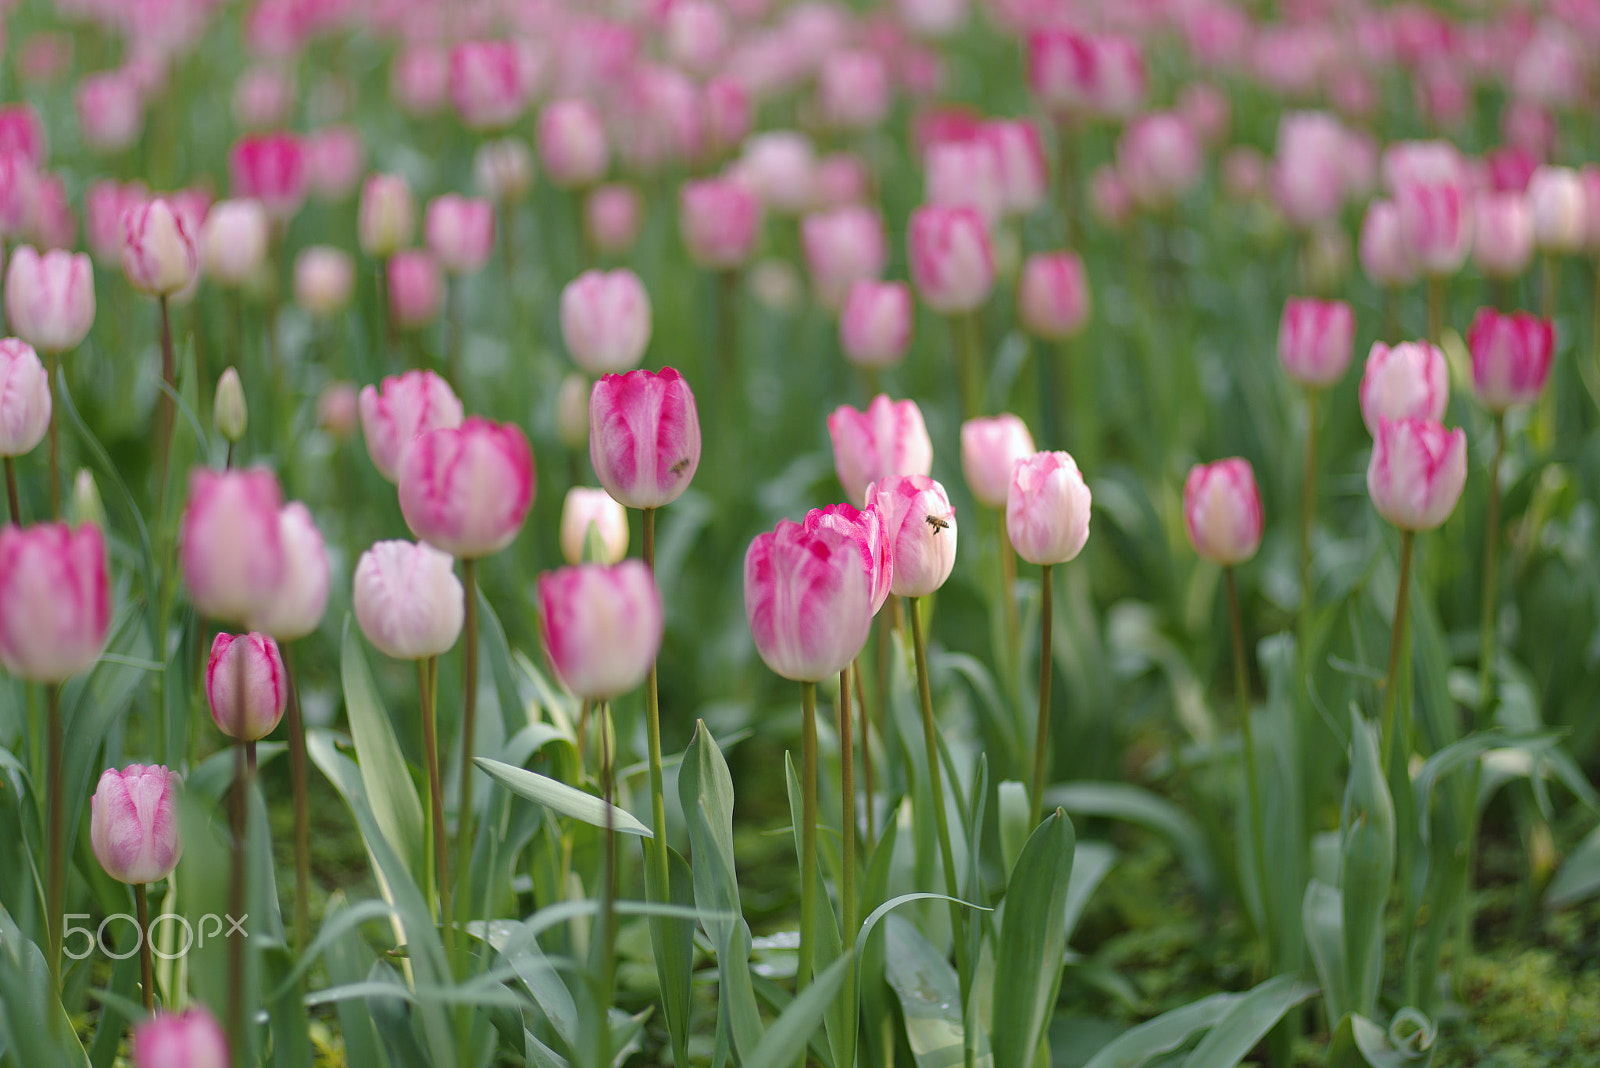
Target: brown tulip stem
{"points": [[1397, 638], [1308, 500], [441, 849], [302, 816], [141, 903], [1241, 686], [469, 721], [168, 410], [52, 369], [1041, 741], [808, 841], [936, 788], [55, 794], [12, 500], [239, 803], [866, 751], [1491, 561], [967, 333], [391, 330]]}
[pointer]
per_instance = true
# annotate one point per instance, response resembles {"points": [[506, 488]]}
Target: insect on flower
{"points": [[936, 523]]}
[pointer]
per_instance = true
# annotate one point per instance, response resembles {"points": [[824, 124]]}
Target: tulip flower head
{"points": [[467, 489], [644, 436], [889, 438], [230, 546], [920, 526], [324, 278], [720, 219], [271, 169], [866, 528], [601, 626], [460, 232], [1314, 339], [50, 298], [246, 685], [952, 258], [1502, 236], [386, 215], [1047, 508], [808, 599], [1385, 258], [233, 241], [24, 398], [407, 599], [400, 408], [1407, 381], [990, 450], [1417, 472], [55, 600], [158, 248], [605, 320], [1511, 357], [189, 1039], [1222, 511], [133, 823], [875, 323], [295, 608], [1053, 296], [585, 509]]}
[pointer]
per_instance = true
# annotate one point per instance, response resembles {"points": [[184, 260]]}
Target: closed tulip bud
{"points": [[407, 600], [55, 600], [104, 203], [866, 529], [460, 232], [386, 216], [486, 83], [1510, 357], [586, 509], [1556, 200], [1435, 224], [158, 251], [1222, 511], [1019, 156], [644, 436], [133, 826], [228, 412], [808, 600], [601, 626], [853, 89], [270, 168], [964, 173], [605, 320], [841, 178], [233, 241], [1417, 471], [86, 507], [419, 79], [572, 411], [841, 247], [920, 526], [1047, 508], [1409, 381], [229, 544], [1314, 340], [339, 409], [612, 214], [335, 158], [110, 109], [1053, 296], [720, 219], [1385, 257], [295, 608], [1159, 158], [54, 225], [190, 1039], [399, 409], [727, 112], [503, 169], [246, 685], [1110, 201], [24, 398], [572, 143], [875, 323], [1502, 235], [22, 134], [952, 259], [990, 449], [416, 292], [780, 166], [467, 489], [324, 278], [50, 298], [889, 438], [263, 96]]}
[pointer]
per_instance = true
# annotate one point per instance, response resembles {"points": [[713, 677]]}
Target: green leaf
{"points": [[1248, 1022], [348, 959], [1090, 863], [930, 998], [1135, 804], [389, 789], [1366, 868], [1322, 917], [1160, 1036], [1579, 876], [567, 800], [1033, 941], [672, 941], [1015, 821], [789, 1033]]}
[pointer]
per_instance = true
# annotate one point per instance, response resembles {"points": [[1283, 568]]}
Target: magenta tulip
{"points": [[467, 489], [1407, 381], [230, 546], [601, 626], [889, 438], [133, 823], [808, 599], [246, 685], [866, 529], [399, 409], [270, 168], [1511, 357], [55, 600], [1314, 340], [920, 526], [644, 436], [1222, 511], [1417, 472]]}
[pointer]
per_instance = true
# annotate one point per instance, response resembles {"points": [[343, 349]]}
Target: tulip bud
{"points": [[50, 298], [407, 600], [601, 626], [611, 216], [1047, 508], [133, 823], [55, 600], [964, 174], [952, 260], [190, 1039], [720, 219], [572, 143], [338, 409], [1510, 357], [865, 528], [605, 320], [24, 399], [572, 411], [1110, 200], [416, 292], [460, 232], [335, 158], [727, 108], [780, 166], [104, 203], [270, 168], [1314, 339], [1556, 200], [841, 247], [419, 79], [1409, 381], [110, 110], [1435, 223], [228, 411], [1024, 177], [385, 217], [1159, 158], [1417, 471], [246, 685], [585, 510], [644, 436], [920, 526], [875, 323], [324, 279], [467, 489], [1502, 234], [503, 169], [841, 178], [1222, 511], [889, 438], [486, 83], [234, 241], [86, 508], [808, 600], [295, 608], [229, 545], [990, 449], [158, 253], [853, 89], [1382, 247], [1053, 296]]}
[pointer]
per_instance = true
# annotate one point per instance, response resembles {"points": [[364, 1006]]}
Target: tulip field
{"points": [[768, 533]]}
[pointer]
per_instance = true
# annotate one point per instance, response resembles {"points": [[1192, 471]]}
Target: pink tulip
{"points": [[401, 408], [1509, 169], [1408, 381], [727, 113], [55, 600], [605, 320], [324, 278], [133, 824], [486, 83], [263, 96], [460, 232], [1511, 357], [808, 599], [158, 249], [853, 89], [18, 192], [24, 398], [920, 526], [296, 606], [1159, 158], [1309, 174], [503, 169], [990, 448], [644, 436], [386, 215], [190, 1039], [339, 409], [1206, 110], [1222, 511], [1556, 200], [53, 225], [233, 241], [104, 203], [110, 111], [407, 600], [1053, 295], [270, 168], [467, 489], [1590, 177], [419, 79], [889, 438], [1022, 173], [1435, 223], [1110, 199], [1502, 234], [246, 685], [230, 546], [416, 291], [1047, 508], [584, 508], [1314, 339], [952, 260], [612, 215], [334, 160], [964, 173], [932, 18], [780, 166], [572, 143], [1385, 256], [601, 626], [875, 323], [1073, 74], [866, 530], [50, 298], [841, 178], [22, 133], [720, 219], [696, 33], [842, 247], [1417, 471]]}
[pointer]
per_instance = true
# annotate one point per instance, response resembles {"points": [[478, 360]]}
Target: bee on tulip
{"points": [[936, 523]]}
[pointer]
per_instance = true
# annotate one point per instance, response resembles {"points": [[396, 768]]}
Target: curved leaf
{"points": [[567, 800]]}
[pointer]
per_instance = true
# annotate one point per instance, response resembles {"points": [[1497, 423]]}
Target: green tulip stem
{"points": [[660, 873], [238, 892], [56, 801], [12, 500], [426, 680], [1491, 561], [141, 902], [1041, 743], [608, 908], [1397, 640], [52, 367], [936, 786], [168, 411], [1008, 600], [302, 816], [1308, 499], [808, 838], [866, 751], [469, 720], [1241, 685], [1436, 310], [847, 801]]}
